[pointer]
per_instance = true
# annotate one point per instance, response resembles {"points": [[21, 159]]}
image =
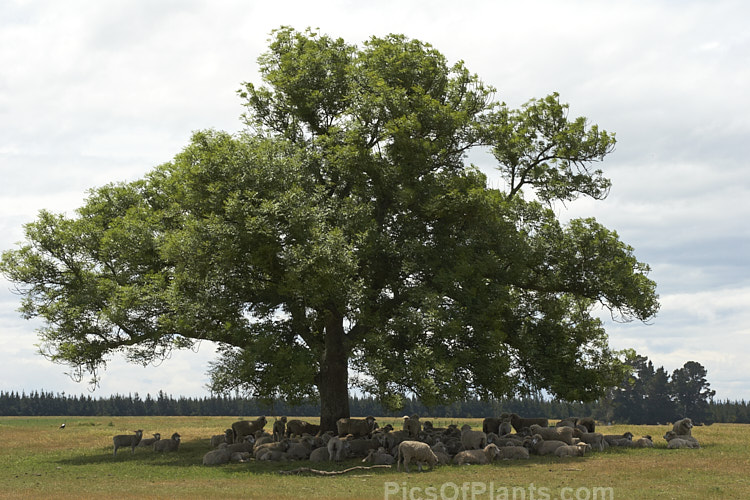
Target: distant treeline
{"points": [[49, 404]]}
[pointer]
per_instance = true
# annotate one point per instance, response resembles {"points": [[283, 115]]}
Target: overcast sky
{"points": [[94, 91]]}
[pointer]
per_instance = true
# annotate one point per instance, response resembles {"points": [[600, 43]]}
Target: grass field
{"points": [[38, 460]]}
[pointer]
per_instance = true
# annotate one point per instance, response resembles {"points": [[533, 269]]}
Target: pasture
{"points": [[39, 460]]}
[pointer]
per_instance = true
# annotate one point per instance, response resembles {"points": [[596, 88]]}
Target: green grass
{"points": [[38, 460]]}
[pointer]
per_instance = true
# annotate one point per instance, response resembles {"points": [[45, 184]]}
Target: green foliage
{"points": [[347, 206]]}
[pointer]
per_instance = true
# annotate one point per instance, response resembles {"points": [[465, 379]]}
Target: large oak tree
{"points": [[343, 240]]}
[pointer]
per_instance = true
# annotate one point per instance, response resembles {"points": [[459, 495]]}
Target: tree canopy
{"points": [[343, 240]]}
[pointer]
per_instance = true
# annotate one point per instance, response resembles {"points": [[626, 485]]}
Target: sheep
{"points": [[588, 422], [577, 450], [279, 428], [131, 440], [513, 453], [519, 423], [361, 447], [643, 442], [300, 450], [567, 422], [564, 434], [683, 427], [355, 427], [416, 451], [491, 425], [594, 439], [150, 441], [170, 444], [274, 456], [244, 428], [320, 454], [541, 447], [227, 437], [217, 457], [479, 457], [300, 427], [248, 444], [240, 456], [441, 453], [260, 449], [472, 440], [379, 457], [618, 439], [337, 449], [675, 441], [412, 425]]}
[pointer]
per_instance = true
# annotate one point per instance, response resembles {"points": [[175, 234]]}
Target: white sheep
{"points": [[379, 457], [132, 440], [150, 441], [415, 451], [514, 453], [675, 441], [576, 450], [472, 440], [479, 457], [217, 457], [170, 444], [541, 446], [564, 434], [337, 449], [683, 427]]}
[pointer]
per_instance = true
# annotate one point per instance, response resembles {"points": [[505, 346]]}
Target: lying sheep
{"points": [[150, 441], [244, 428], [441, 453], [643, 442], [576, 450], [379, 457], [170, 444], [683, 427], [618, 439], [274, 456], [415, 451], [541, 447], [594, 439], [132, 440], [478, 457], [514, 453], [217, 457], [319, 455], [472, 440], [355, 426], [675, 441], [227, 437], [564, 434], [281, 446]]}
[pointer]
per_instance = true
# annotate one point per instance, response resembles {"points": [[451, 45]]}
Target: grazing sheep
{"points": [[171, 444], [217, 457], [150, 441], [132, 440], [279, 428], [300, 427], [415, 451], [244, 428], [577, 450], [675, 441], [520, 423], [472, 440], [227, 437], [683, 427], [564, 434], [513, 453], [379, 457], [320, 454], [478, 457], [356, 427], [412, 425], [337, 449], [539, 446], [618, 439]]}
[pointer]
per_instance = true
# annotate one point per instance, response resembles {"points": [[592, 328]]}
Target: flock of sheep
{"points": [[509, 437]]}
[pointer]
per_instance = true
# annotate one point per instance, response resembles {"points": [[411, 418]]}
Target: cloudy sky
{"points": [[93, 92]]}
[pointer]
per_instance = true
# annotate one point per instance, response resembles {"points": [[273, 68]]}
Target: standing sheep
{"points": [[412, 425], [416, 451], [519, 423], [170, 444], [300, 427], [356, 427], [150, 441], [243, 428], [279, 429], [336, 449], [132, 440]]}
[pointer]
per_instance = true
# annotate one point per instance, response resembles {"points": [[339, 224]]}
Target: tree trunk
{"points": [[333, 379]]}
